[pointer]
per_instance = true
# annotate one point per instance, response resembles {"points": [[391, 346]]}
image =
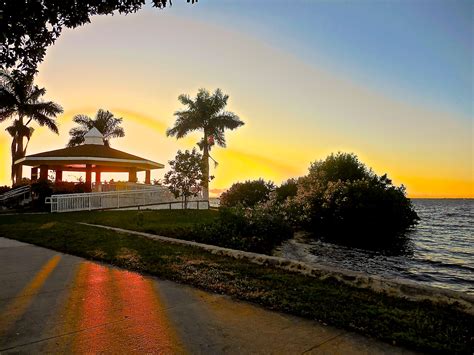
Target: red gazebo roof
{"points": [[89, 154]]}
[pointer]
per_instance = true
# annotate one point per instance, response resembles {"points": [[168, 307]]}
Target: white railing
{"points": [[115, 200], [121, 186], [23, 191]]}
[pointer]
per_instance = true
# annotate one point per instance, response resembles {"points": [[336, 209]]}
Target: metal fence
{"points": [[117, 199], [21, 195]]}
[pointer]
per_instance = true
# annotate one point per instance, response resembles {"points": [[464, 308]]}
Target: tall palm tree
{"points": [[205, 113], [16, 130], [104, 121], [20, 99]]}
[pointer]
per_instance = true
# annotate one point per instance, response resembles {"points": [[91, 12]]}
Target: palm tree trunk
{"points": [[13, 154], [19, 154], [205, 169]]}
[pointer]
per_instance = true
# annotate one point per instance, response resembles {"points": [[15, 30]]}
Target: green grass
{"points": [[418, 325], [169, 223]]}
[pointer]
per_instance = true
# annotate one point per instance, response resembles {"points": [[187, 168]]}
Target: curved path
{"points": [[57, 303]]}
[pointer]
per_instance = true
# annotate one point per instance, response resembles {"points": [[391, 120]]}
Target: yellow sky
{"points": [[294, 113]]}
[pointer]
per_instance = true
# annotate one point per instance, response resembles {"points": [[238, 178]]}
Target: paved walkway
{"points": [[56, 303]]}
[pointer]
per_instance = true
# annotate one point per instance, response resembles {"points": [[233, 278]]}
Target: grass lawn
{"points": [[418, 325]]}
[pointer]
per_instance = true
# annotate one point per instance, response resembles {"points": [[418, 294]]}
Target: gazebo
{"points": [[91, 157]]}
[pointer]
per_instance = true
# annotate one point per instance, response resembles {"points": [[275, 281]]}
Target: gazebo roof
{"points": [[93, 154]]}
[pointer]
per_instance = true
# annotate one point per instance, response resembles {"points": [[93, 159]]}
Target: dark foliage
{"points": [[287, 189], [247, 194], [105, 122], [20, 101], [4, 189], [28, 28], [243, 229], [346, 202], [66, 187], [40, 190]]}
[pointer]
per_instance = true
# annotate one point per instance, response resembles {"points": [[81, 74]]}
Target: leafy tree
{"points": [[185, 179], [344, 201], [28, 28], [287, 189], [104, 121], [205, 113], [20, 99], [340, 166], [247, 194]]}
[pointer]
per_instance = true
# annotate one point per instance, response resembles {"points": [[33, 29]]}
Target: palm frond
{"points": [[77, 136], [44, 120], [83, 120], [36, 93], [6, 113], [227, 120]]}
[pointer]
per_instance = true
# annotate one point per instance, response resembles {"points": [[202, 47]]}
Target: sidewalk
{"points": [[52, 302]]}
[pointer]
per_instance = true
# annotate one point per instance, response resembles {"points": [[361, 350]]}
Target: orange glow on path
{"points": [[114, 311], [150, 327]]}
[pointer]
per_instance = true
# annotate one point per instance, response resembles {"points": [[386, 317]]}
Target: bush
{"points": [[247, 194], [4, 189], [66, 187], [344, 201], [257, 230], [287, 189], [40, 190]]}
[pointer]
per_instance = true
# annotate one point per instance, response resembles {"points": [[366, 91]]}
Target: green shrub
{"points": [[247, 194], [257, 230], [344, 201], [287, 189]]}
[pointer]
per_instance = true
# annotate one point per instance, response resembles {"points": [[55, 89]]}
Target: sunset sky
{"points": [[391, 81]]}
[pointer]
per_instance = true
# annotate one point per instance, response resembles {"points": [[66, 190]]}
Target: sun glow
{"points": [[295, 111]]}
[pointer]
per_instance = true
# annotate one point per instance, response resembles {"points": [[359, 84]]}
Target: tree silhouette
{"points": [[185, 179], [28, 28], [104, 121], [205, 113], [20, 98]]}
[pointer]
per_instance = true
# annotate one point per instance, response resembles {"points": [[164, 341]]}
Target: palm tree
{"points": [[16, 130], [20, 98], [104, 121], [205, 113]]}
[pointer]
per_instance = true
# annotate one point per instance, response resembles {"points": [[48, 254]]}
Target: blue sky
{"points": [[417, 50]]}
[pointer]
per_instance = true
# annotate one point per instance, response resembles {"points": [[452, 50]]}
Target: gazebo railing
{"points": [[120, 186], [113, 200]]}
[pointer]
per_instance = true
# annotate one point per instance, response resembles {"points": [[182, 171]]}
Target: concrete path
{"points": [[56, 303]]}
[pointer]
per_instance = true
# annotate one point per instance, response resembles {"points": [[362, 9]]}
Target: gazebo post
{"points": [[34, 173], [88, 175], [147, 177], [43, 172], [132, 175], [59, 176], [98, 187]]}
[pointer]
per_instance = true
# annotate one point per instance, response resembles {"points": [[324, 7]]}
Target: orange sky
{"points": [[295, 112]]}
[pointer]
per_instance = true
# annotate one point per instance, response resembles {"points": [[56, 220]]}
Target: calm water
{"points": [[440, 251]]}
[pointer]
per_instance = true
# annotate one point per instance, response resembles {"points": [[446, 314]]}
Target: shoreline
{"points": [[396, 287]]}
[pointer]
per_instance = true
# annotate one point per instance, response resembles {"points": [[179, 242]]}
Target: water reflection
{"points": [[438, 252]]}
